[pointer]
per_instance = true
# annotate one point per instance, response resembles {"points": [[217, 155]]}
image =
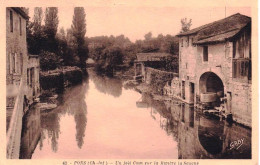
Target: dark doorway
{"points": [[183, 89], [192, 92]]}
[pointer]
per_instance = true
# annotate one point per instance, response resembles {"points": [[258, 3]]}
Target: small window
{"points": [[13, 63], [11, 22], [188, 41], [234, 49], [181, 42], [205, 53], [192, 42], [28, 76], [20, 25]]}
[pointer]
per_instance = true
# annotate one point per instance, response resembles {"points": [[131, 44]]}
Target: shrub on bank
{"points": [[49, 61]]}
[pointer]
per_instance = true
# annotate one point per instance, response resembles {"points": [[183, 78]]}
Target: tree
{"points": [[35, 32], [78, 28], [62, 44], [148, 36], [50, 28], [185, 24], [51, 21]]}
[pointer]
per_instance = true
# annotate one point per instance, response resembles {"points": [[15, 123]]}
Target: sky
{"points": [[135, 22]]}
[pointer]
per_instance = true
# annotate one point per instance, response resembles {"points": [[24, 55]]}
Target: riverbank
{"points": [[61, 77], [53, 82]]}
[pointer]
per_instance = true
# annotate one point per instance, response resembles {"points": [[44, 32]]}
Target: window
{"points": [[242, 68], [11, 22], [234, 49], [13, 63], [16, 67], [181, 42], [20, 25], [192, 42], [28, 76], [21, 60], [205, 53], [188, 40]]}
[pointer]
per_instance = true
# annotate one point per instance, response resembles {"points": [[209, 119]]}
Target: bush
{"points": [[49, 61]]}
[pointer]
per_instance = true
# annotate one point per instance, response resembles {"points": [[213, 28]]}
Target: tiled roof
{"points": [[219, 30], [151, 56]]}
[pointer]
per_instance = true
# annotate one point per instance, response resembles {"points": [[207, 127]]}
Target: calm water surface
{"points": [[101, 119]]}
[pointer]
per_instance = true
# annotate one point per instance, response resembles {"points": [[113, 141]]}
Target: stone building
{"points": [[18, 94], [215, 66], [33, 79]]}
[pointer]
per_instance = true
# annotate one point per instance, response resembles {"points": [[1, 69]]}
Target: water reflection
{"points": [[72, 103], [100, 119], [107, 85], [30, 133], [200, 136]]}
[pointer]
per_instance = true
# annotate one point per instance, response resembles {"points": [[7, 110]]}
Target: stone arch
{"points": [[210, 136], [210, 82]]}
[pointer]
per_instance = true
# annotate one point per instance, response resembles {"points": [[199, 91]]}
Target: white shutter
{"points": [[10, 63]]}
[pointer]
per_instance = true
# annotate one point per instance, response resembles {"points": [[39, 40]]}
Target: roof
{"points": [[151, 56], [220, 30], [21, 12]]}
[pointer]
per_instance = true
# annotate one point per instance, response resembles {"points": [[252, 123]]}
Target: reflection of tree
{"points": [[72, 103], [50, 123], [80, 112], [164, 110], [107, 85]]}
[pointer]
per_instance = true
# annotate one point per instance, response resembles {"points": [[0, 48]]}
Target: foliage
{"points": [[78, 29], [51, 21], [100, 49], [185, 24], [50, 29], [49, 61], [35, 33], [109, 58], [67, 47]]}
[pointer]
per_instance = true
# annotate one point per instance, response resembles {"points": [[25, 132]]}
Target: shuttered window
{"points": [[20, 25], [242, 68], [205, 53], [11, 22]]}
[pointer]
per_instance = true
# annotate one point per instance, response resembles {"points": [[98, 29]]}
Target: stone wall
{"points": [[16, 53], [157, 78], [241, 103], [16, 45]]}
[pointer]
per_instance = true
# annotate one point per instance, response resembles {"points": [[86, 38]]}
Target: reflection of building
{"points": [[198, 136], [31, 133], [17, 91], [215, 62]]}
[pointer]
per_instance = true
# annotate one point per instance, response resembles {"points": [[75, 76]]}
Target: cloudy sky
{"points": [[134, 22]]}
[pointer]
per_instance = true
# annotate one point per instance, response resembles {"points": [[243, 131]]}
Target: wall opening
{"points": [[211, 88]]}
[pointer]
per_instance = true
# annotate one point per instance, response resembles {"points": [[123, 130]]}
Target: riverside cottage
{"points": [[22, 77], [148, 64], [215, 67]]}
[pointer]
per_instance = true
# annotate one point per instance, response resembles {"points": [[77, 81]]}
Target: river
{"points": [[101, 119]]}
